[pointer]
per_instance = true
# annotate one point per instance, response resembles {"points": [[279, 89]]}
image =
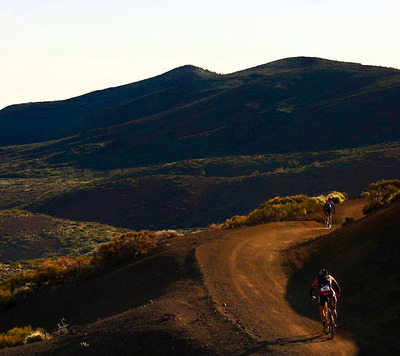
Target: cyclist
{"points": [[329, 209], [328, 288]]}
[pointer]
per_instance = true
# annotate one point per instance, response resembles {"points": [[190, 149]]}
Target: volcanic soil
{"points": [[230, 292]]}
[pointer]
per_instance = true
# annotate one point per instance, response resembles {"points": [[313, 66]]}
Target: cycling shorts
{"points": [[322, 299]]}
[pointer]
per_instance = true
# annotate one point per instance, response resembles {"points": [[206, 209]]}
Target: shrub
{"points": [[21, 293], [126, 246], [5, 296], [54, 272], [337, 197], [347, 220], [51, 272], [380, 194], [236, 221], [370, 207], [86, 272], [166, 234], [216, 227], [62, 327], [17, 336], [37, 336]]}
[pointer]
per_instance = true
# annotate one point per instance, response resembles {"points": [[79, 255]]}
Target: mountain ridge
{"points": [[272, 86]]}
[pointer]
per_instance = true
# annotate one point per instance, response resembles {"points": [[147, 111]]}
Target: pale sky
{"points": [[57, 49]]}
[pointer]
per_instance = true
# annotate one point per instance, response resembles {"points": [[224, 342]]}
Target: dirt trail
{"points": [[247, 277]]}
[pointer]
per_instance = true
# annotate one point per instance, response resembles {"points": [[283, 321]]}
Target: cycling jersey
{"points": [[326, 285], [329, 207]]}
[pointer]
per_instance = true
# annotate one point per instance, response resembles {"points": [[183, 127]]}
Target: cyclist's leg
{"points": [[330, 219], [321, 304], [321, 314], [334, 306], [326, 219]]}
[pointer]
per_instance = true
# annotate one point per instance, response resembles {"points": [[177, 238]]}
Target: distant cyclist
{"points": [[327, 288], [329, 209]]}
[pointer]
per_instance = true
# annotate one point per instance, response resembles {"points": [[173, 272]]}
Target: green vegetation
{"points": [[279, 209], [124, 247], [380, 194], [27, 239], [53, 272], [19, 336], [180, 194]]}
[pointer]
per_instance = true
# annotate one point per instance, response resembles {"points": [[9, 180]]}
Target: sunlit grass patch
{"points": [[19, 336]]}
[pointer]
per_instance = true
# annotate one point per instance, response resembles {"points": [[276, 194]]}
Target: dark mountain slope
{"points": [[294, 112], [186, 194], [35, 122], [295, 104], [364, 258]]}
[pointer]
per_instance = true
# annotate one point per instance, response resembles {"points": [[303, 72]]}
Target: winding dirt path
{"points": [[247, 276]]}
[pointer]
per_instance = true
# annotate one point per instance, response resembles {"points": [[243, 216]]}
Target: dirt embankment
{"points": [[246, 276], [156, 305], [260, 279], [365, 258]]}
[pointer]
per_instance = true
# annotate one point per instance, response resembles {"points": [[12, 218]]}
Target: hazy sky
{"points": [[56, 49]]}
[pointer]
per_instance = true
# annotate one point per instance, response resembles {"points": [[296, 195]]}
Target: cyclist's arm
{"points": [[336, 286], [315, 283], [334, 207]]}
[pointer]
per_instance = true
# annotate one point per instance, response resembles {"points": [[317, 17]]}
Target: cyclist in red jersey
{"points": [[327, 287]]}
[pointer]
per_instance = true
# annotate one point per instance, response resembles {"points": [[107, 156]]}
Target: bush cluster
{"points": [[380, 194], [337, 197], [347, 220], [282, 208], [126, 246], [51, 272], [54, 272]]}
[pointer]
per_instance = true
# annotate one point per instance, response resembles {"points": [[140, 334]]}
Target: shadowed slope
{"points": [[365, 259], [248, 276], [155, 305], [99, 298]]}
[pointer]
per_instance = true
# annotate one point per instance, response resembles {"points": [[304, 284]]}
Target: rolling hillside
{"points": [[184, 194], [183, 149], [26, 239]]}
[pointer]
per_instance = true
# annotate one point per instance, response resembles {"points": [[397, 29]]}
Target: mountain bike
{"points": [[330, 322]]}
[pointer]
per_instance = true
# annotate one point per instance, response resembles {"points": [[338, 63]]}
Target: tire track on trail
{"points": [[247, 277]]}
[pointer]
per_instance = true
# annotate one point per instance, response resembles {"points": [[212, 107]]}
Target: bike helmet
{"points": [[323, 272], [330, 198]]}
